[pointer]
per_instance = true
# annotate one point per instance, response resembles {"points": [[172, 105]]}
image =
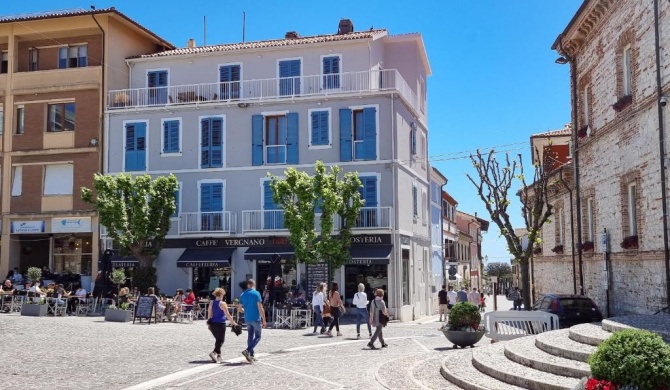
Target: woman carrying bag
{"points": [[217, 314], [335, 304], [379, 317]]}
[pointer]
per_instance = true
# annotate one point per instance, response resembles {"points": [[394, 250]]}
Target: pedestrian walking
{"points": [[462, 295], [254, 317], [515, 297], [482, 303], [451, 294], [473, 297], [217, 315], [336, 306], [376, 307], [317, 306], [361, 302], [443, 299]]}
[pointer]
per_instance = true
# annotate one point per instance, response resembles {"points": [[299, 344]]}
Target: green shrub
{"points": [[464, 314], [633, 357], [118, 276], [34, 274]]}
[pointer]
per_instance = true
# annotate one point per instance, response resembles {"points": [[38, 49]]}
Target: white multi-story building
{"points": [[222, 117]]}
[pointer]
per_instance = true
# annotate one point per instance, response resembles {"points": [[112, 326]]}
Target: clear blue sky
{"points": [[494, 78]]}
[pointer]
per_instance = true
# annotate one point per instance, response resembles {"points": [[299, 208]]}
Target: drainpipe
{"points": [[661, 145], [396, 237], [572, 232]]}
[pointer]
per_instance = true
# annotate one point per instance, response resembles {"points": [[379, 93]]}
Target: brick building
{"points": [[54, 72], [612, 51]]}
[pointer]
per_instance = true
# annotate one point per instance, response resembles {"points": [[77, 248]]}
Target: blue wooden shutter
{"points": [[268, 199], [216, 143], [257, 140], [319, 128], [331, 70], [230, 76], [370, 132], [325, 133], [136, 146], [217, 197], [171, 137], [271, 220], [345, 134], [156, 80], [206, 197], [412, 133], [205, 142], [292, 137], [130, 158], [290, 68], [368, 191]]}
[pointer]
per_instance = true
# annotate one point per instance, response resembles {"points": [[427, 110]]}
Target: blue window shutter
{"points": [[345, 134], [315, 130], [415, 199], [331, 70], [216, 143], [130, 159], [325, 136], [327, 65], [225, 74], [368, 190], [284, 69], [268, 199], [217, 197], [140, 146], [292, 147], [176, 200], [62, 58], [206, 197], [171, 137], [257, 140], [370, 132], [205, 142]]}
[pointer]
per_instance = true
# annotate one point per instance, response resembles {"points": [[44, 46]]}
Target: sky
{"points": [[494, 81]]}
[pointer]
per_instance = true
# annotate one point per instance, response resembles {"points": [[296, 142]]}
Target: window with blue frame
{"points": [[273, 217], [275, 139], [72, 56], [368, 215], [289, 77], [157, 82], [358, 134], [331, 72], [211, 142], [319, 128], [211, 206], [135, 153], [229, 77], [171, 136]]}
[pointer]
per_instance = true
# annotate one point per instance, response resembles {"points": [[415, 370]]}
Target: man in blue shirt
{"points": [[254, 316]]}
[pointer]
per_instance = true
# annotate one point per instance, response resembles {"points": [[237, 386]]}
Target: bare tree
{"points": [[493, 187]]}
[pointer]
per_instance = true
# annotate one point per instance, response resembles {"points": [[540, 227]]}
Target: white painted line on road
{"points": [[302, 374], [421, 345], [316, 346], [203, 377]]}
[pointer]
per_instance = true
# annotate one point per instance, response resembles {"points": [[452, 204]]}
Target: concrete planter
{"points": [[33, 310], [115, 315], [463, 339]]}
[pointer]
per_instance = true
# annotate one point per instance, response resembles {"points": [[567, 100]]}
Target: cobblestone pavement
{"points": [[88, 353]]}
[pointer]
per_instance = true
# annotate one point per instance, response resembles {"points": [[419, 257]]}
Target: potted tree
{"points": [[119, 312], [34, 274], [34, 308], [463, 328]]}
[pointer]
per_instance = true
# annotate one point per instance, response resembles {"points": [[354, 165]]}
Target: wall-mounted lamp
{"points": [[93, 142]]}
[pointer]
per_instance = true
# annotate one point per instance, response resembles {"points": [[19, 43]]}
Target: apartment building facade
{"points": [[612, 50], [222, 117], [470, 229], [54, 73], [437, 182], [450, 236]]}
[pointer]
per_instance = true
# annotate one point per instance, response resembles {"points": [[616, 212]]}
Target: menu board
{"points": [[144, 308], [316, 273]]}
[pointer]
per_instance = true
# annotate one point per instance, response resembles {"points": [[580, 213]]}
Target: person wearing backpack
{"points": [[361, 302], [379, 316]]}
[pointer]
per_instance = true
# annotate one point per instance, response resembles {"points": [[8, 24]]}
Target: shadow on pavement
{"points": [[201, 362]]}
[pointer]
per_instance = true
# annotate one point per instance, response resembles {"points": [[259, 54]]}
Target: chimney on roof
{"points": [[292, 35], [346, 26], [191, 43]]}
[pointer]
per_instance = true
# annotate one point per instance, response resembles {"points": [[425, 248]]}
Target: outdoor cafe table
{"points": [[299, 316]]}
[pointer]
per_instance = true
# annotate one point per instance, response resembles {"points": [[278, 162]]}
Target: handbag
{"points": [[383, 318], [236, 329]]}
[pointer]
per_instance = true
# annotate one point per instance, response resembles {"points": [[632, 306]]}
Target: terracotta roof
{"points": [[371, 34], [80, 12], [449, 198], [567, 130]]}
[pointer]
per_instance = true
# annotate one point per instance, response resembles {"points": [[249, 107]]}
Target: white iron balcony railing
{"points": [[267, 89], [263, 221], [370, 218], [209, 222]]}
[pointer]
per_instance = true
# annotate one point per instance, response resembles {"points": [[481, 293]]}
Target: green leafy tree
{"points": [[301, 196], [136, 211], [493, 183], [501, 270]]}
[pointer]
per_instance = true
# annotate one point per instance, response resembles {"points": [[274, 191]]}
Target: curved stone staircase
{"points": [[553, 360]]}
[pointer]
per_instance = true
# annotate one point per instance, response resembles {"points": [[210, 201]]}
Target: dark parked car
{"points": [[570, 309]]}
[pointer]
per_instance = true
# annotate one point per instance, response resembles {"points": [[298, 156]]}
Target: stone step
{"points": [[659, 324], [491, 361], [457, 368], [413, 372], [427, 373], [558, 343], [524, 352], [590, 334]]}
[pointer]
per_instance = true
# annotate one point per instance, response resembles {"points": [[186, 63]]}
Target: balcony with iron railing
{"points": [[222, 222], [266, 90], [369, 218]]}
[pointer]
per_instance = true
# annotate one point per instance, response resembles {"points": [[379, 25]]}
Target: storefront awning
{"points": [[205, 257], [370, 254], [122, 262], [266, 252]]}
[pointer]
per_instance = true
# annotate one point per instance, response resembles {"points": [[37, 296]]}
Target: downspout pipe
{"points": [[661, 147], [572, 232]]}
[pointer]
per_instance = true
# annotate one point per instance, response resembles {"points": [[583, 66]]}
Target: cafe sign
{"points": [[20, 227], [367, 239]]}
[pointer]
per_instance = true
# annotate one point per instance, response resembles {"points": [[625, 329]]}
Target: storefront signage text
{"points": [[71, 225], [201, 264], [262, 241], [366, 240], [27, 227]]}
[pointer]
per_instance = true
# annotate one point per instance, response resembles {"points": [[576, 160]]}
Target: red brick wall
{"points": [[48, 57]]}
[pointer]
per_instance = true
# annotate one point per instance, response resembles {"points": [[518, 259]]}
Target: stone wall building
{"points": [[611, 49]]}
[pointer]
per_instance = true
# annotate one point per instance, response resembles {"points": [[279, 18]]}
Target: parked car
{"points": [[570, 309]]}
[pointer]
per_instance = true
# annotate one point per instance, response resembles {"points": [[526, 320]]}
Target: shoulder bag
{"points": [[383, 318]]}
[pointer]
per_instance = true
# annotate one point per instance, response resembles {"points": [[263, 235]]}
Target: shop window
{"points": [[206, 279], [372, 276], [72, 254]]}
